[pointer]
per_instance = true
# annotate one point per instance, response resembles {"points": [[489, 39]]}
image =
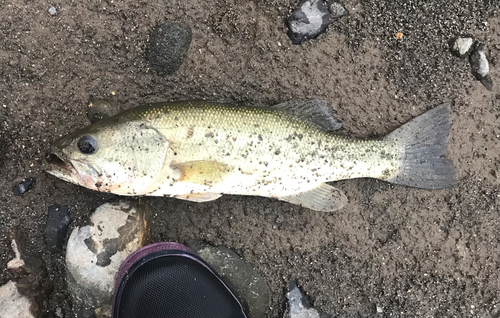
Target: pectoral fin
{"points": [[203, 172], [199, 197], [324, 198]]}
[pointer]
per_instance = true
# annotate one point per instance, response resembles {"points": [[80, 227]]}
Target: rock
{"points": [[101, 108], [52, 11], [95, 252], [168, 44], [480, 66], [311, 18], [337, 10], [24, 186], [461, 45], [17, 263], [13, 304], [247, 284], [25, 295], [58, 220], [299, 306], [59, 312]]}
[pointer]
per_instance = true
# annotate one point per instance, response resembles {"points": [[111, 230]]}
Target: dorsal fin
{"points": [[315, 111]]}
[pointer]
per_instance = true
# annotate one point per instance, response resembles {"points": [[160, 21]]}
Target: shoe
{"points": [[169, 280]]}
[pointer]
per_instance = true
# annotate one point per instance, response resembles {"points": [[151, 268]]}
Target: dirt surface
{"points": [[405, 252]]}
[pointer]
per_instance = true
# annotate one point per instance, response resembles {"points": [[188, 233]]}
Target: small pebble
{"points": [[308, 20], [99, 109], [58, 220], [480, 66], [168, 44], [24, 186], [52, 10], [337, 10], [461, 45], [298, 305], [311, 18], [17, 262], [59, 312]]}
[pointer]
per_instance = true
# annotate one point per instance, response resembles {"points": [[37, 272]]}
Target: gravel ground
{"points": [[405, 252]]}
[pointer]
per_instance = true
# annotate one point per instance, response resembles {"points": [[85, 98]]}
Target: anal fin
{"points": [[324, 198], [199, 197]]}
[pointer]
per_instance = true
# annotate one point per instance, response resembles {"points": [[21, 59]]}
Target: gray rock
{"points": [[298, 305], [24, 186], [308, 20], [247, 284], [168, 44], [311, 18], [337, 10], [480, 66], [95, 252], [58, 220], [99, 109], [461, 45]]}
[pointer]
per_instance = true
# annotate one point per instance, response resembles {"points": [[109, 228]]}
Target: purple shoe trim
{"points": [[145, 250]]}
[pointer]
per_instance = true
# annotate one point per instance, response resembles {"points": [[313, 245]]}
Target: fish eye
{"points": [[87, 144]]}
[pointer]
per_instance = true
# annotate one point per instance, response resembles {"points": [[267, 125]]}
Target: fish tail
{"points": [[423, 142]]}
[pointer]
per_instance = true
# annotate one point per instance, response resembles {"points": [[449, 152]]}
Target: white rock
{"points": [[96, 251], [298, 305], [12, 303], [463, 45], [297, 308], [16, 262]]}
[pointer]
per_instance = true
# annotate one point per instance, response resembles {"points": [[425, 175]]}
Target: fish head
{"points": [[121, 158]]}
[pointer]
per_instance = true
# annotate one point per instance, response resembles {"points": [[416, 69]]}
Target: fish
{"points": [[199, 150]]}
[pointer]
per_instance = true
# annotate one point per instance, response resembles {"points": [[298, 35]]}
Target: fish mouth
{"points": [[62, 169], [55, 161], [67, 171]]}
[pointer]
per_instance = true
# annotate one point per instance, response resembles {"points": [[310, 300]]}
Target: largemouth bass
{"points": [[199, 150]]}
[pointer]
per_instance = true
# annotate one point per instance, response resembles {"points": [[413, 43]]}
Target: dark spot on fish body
{"points": [[190, 132], [277, 152], [209, 134], [98, 184], [260, 137]]}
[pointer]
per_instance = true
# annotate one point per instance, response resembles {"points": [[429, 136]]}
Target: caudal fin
{"points": [[423, 143]]}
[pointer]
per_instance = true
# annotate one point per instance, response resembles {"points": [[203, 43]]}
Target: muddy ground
{"points": [[409, 252]]}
